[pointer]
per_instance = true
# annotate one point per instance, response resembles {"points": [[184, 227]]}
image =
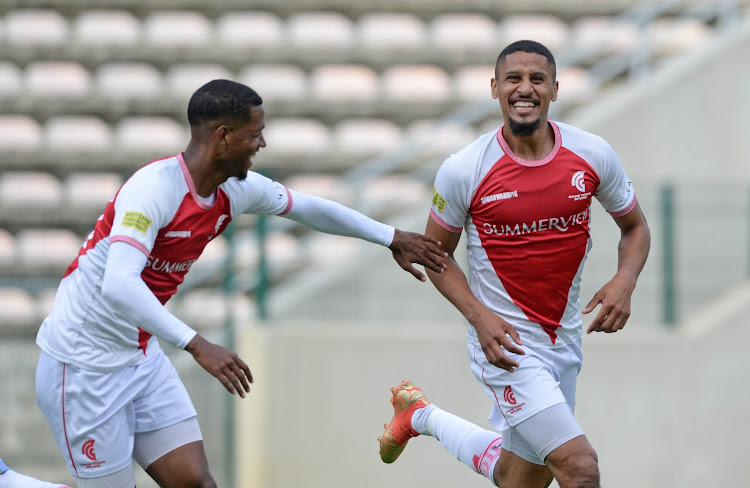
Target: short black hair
{"points": [[222, 100], [528, 47]]}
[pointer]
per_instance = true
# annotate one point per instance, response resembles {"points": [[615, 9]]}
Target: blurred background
{"points": [[363, 101]]}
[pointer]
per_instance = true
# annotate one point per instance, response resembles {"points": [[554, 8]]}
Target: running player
{"points": [[523, 194], [13, 479], [107, 390]]}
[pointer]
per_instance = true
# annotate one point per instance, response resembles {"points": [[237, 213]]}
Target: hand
{"points": [[222, 363], [615, 300], [494, 335], [410, 247]]}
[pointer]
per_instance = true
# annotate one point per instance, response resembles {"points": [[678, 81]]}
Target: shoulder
{"points": [[583, 143], [463, 164]]}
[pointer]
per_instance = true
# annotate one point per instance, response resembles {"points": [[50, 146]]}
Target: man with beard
{"points": [[523, 194], [109, 393]]}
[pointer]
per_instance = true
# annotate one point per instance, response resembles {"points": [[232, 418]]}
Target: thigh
{"points": [[152, 446], [91, 416], [184, 466], [512, 471]]}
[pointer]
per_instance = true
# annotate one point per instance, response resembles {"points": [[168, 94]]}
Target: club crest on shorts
{"points": [[509, 396]]}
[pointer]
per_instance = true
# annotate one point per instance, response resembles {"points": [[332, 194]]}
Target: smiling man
{"points": [[109, 393], [523, 194]]}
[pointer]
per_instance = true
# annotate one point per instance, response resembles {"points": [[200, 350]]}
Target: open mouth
{"points": [[523, 105]]}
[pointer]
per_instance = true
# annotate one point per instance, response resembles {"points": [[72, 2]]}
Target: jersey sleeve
{"points": [[257, 194], [615, 191], [451, 196], [142, 207]]}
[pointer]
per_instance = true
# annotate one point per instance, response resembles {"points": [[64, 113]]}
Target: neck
{"points": [[534, 147], [199, 162]]}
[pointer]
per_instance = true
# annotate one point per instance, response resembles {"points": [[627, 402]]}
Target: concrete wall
{"points": [[662, 409]]}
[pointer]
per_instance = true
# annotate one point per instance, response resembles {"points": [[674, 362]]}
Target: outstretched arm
{"points": [[123, 286], [495, 334], [333, 218], [635, 241]]}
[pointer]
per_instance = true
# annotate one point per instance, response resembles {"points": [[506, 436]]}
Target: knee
{"points": [[579, 471], [197, 481]]}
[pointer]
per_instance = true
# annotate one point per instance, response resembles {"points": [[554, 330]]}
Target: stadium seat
{"points": [[416, 83], [203, 308], [35, 28], [150, 134], [283, 250], [79, 133], [472, 82], [440, 139], [344, 83], [365, 137], [463, 32], [57, 79], [11, 83], [601, 35], [319, 30], [395, 191], [575, 85], [17, 313], [19, 133], [106, 28], [7, 250], [128, 81], [326, 248], [550, 30], [321, 185], [183, 79], [90, 191], [275, 81], [296, 137], [249, 30], [670, 36], [47, 250], [211, 260], [29, 191], [391, 32], [178, 29]]}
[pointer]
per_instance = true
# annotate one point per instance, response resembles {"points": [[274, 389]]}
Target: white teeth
{"points": [[523, 104]]}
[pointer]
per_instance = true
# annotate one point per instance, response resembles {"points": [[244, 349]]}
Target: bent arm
{"points": [[333, 218], [492, 330], [123, 286]]}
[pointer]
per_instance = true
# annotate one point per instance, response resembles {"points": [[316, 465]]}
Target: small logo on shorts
{"points": [[509, 396], [88, 449]]}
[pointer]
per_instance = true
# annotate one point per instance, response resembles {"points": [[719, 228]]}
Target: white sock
{"points": [[11, 479], [474, 446]]}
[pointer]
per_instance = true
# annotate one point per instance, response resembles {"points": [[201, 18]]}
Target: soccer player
{"points": [[107, 390], [13, 479], [523, 194]]}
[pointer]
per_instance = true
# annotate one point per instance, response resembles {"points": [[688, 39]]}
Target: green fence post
{"points": [[229, 341], [261, 289], [668, 256]]}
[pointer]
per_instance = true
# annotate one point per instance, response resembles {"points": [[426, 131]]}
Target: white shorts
{"points": [[544, 377], [95, 416]]}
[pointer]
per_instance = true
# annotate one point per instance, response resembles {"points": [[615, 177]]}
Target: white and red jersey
{"points": [[159, 212], [527, 225]]}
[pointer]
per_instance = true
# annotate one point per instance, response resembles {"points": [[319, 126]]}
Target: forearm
{"points": [[452, 284], [123, 286], [333, 218], [632, 251]]}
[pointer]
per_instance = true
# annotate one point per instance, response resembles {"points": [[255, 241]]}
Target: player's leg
{"points": [[174, 456], [168, 440], [13, 479], [575, 464], [414, 414], [92, 419]]}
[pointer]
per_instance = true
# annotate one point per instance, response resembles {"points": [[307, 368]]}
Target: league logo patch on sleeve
{"points": [[438, 200], [136, 220]]}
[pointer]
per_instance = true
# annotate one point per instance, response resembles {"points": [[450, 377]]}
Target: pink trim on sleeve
{"points": [[626, 210], [289, 202], [132, 242], [441, 223]]}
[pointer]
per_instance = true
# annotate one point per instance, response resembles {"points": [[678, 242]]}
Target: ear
{"points": [[493, 87], [223, 133], [554, 91]]}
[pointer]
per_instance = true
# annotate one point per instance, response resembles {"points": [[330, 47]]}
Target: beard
{"points": [[523, 129]]}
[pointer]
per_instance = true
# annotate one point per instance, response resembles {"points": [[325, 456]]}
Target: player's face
{"points": [[525, 85], [244, 142]]}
